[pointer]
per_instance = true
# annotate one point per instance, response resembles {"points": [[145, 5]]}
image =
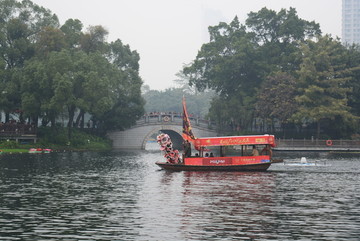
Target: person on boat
{"points": [[222, 150], [187, 148], [211, 154], [255, 152], [266, 151], [206, 154]]}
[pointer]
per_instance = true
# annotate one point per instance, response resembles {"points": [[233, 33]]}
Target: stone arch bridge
{"points": [[137, 136]]}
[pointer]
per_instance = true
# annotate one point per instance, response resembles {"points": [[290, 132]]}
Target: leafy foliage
{"points": [[322, 82], [276, 98], [276, 68], [47, 70], [169, 100]]}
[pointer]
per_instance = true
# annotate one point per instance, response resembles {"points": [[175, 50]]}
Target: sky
{"points": [[168, 34]]}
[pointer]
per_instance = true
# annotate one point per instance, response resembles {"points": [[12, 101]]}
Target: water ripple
{"points": [[124, 196]]}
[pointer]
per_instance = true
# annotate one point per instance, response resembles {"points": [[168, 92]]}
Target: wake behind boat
{"points": [[228, 153]]}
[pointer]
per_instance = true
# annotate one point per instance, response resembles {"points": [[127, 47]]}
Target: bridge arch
{"points": [[137, 136], [174, 133]]}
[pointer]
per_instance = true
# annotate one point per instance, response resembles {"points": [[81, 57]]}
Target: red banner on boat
{"points": [[236, 140], [187, 130], [217, 161]]}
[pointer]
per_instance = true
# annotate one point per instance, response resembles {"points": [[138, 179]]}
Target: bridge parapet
{"points": [[170, 123], [173, 119]]}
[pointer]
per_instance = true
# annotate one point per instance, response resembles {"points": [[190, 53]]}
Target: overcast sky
{"points": [[168, 33]]}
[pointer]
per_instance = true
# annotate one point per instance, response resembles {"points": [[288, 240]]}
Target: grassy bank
{"points": [[57, 140], [14, 150]]}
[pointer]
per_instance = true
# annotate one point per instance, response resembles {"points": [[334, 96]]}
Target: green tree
{"points": [[279, 34], [239, 57], [276, 98], [126, 86], [46, 70], [170, 100], [322, 83], [73, 33], [284, 26], [20, 22], [50, 39], [94, 39], [230, 65], [353, 63]]}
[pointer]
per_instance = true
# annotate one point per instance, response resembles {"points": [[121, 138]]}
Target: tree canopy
{"points": [[48, 70], [276, 68]]}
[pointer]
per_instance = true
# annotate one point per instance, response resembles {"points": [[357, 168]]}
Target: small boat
{"points": [[47, 150], [228, 153], [35, 150], [39, 150]]}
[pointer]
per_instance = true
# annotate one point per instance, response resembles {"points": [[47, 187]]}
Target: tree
{"points": [[276, 98], [20, 23], [279, 35], [353, 63], [126, 87], [50, 39], [94, 39], [122, 57], [322, 83], [229, 64], [282, 27], [72, 30], [238, 58]]}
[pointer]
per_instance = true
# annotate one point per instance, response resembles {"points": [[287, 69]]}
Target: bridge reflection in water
{"points": [[137, 136]]}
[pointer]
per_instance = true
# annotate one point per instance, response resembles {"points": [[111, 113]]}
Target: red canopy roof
{"points": [[235, 140]]}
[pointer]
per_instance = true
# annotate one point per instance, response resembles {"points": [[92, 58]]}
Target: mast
{"points": [[187, 129]]}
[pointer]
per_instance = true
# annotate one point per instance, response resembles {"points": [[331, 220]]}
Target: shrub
{"points": [[9, 144]]}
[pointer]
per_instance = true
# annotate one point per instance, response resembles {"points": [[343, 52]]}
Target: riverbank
{"points": [[58, 141], [10, 151], [56, 149], [25, 149]]}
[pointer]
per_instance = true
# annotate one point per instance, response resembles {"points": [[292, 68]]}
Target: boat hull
{"points": [[182, 167]]}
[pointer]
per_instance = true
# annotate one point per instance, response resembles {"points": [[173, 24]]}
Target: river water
{"points": [[124, 196]]}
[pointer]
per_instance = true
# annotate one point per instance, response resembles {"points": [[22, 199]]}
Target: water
{"points": [[124, 196]]}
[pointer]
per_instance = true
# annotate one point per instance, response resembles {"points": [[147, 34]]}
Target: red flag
{"points": [[187, 130]]}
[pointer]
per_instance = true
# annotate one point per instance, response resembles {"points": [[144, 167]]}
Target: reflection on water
{"points": [[124, 196]]}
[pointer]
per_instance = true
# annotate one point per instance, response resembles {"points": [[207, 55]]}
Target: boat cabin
{"points": [[232, 150]]}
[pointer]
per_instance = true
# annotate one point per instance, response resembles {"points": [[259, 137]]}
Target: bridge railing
{"points": [[316, 143], [174, 118], [16, 129]]}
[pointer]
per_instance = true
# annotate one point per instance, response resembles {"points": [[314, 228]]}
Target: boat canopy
{"points": [[235, 141]]}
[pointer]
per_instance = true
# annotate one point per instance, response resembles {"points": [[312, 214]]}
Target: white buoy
{"points": [[303, 160]]}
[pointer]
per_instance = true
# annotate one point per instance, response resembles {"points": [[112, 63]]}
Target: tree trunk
{"points": [[82, 123], [35, 120], [53, 122], [21, 117], [80, 118], [71, 110], [7, 116], [318, 130]]}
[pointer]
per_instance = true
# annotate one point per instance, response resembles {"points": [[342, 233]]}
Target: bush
{"points": [[9, 144], [79, 139]]}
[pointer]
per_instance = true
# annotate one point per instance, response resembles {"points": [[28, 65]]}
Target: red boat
{"points": [[232, 153], [228, 153]]}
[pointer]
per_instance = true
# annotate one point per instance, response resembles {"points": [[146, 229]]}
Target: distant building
{"points": [[351, 21]]}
